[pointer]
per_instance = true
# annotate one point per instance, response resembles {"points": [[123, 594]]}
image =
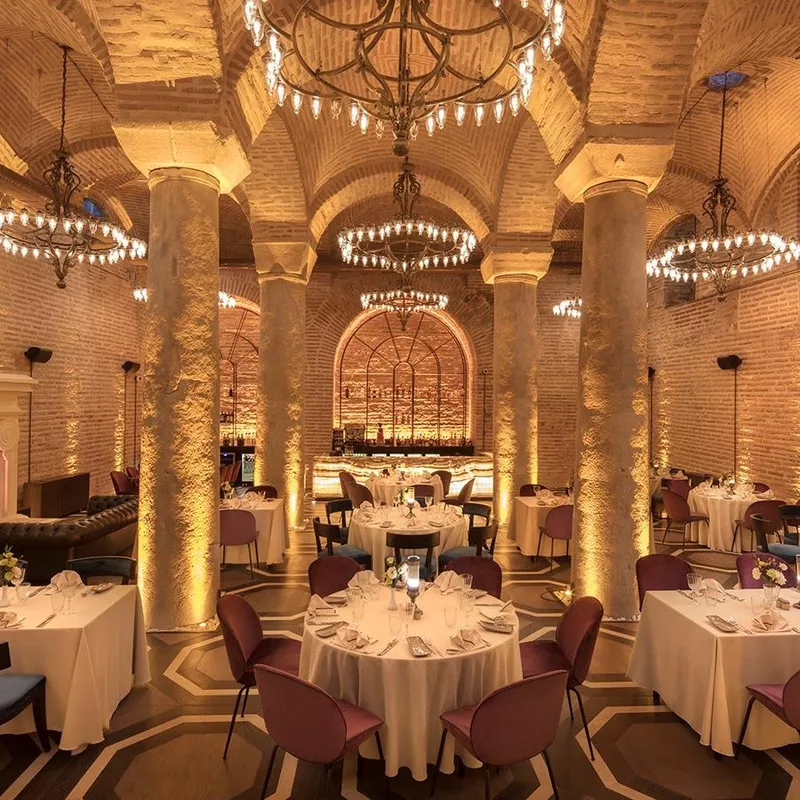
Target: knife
{"points": [[44, 622], [36, 591], [388, 647]]}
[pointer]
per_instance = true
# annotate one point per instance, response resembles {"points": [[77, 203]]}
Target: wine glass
{"points": [[466, 583], [450, 612], [359, 606], [16, 580], [57, 602], [408, 615], [69, 593], [695, 582], [466, 602]]}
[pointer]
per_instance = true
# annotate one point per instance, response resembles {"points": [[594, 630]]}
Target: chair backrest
{"points": [[486, 573], [330, 574], [790, 517], [358, 494], [696, 478], [576, 635], [345, 479], [676, 506], [530, 489], [338, 507], [331, 534], [301, 718], [121, 483], [465, 494], [661, 572], [241, 630], [265, 490], [763, 529], [424, 492], [517, 722], [445, 477], [766, 509], [104, 567], [478, 535], [558, 522], [414, 541], [791, 700], [132, 473], [744, 566], [237, 526], [227, 472], [679, 487], [480, 510], [236, 468], [760, 487]]}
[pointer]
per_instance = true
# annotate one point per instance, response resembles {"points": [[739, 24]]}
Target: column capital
{"points": [[199, 145], [284, 261], [522, 256], [611, 153]]}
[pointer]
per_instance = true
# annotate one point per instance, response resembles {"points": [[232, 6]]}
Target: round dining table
{"points": [[385, 488], [407, 692], [722, 510], [368, 529]]}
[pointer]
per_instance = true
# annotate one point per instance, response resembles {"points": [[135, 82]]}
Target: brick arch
{"points": [[241, 283]]}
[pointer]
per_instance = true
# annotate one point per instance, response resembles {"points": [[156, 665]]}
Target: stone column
{"points": [[13, 388], [280, 458], [612, 487], [515, 276]]}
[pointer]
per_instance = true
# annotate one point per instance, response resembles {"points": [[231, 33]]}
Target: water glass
{"points": [[466, 583], [57, 602], [408, 614], [757, 605], [358, 606], [69, 593], [450, 613], [466, 603], [23, 591], [396, 620], [695, 582]]}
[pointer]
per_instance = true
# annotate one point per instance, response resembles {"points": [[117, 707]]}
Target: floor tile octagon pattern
{"points": [[166, 739]]}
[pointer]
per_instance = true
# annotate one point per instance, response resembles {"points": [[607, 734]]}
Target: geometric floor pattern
{"points": [[166, 739]]}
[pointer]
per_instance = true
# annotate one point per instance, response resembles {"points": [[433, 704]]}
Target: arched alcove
{"points": [[238, 349]]}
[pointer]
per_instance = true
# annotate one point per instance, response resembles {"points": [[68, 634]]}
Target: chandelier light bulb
{"points": [[316, 107], [363, 122], [297, 101], [430, 124], [441, 115], [460, 113], [354, 112], [514, 104], [480, 112], [499, 108]]}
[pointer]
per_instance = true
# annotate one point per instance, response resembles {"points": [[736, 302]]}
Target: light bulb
{"points": [[297, 101], [461, 113], [499, 108], [316, 107], [480, 112], [547, 46], [558, 12], [363, 122], [430, 124], [514, 104], [530, 57], [354, 112], [280, 93], [525, 88], [441, 115]]}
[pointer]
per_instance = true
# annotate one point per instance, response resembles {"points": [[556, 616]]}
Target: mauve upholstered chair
{"points": [[679, 486], [265, 490], [782, 699], [357, 493], [509, 726], [238, 527], [487, 574], [331, 574], [767, 509], [445, 477], [661, 572], [572, 650], [530, 489], [557, 525], [424, 494], [678, 511], [760, 488], [122, 483], [790, 519], [247, 646], [309, 724], [744, 566]]}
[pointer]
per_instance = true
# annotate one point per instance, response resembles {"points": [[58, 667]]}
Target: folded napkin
{"points": [[503, 619], [447, 581], [542, 494], [353, 639], [366, 506], [714, 588], [68, 579], [704, 485], [362, 579], [769, 622], [318, 606], [678, 475], [466, 639]]}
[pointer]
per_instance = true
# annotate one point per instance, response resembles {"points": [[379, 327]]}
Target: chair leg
{"points": [[733, 543], [666, 531], [744, 727], [244, 703], [224, 550], [233, 720], [656, 699], [328, 780], [40, 718], [683, 542], [383, 760], [571, 712], [250, 559], [269, 772], [258, 560], [546, 757], [585, 723], [487, 781], [438, 763], [538, 545], [552, 545]]}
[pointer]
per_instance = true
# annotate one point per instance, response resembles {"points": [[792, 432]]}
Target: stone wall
{"points": [[80, 421]]}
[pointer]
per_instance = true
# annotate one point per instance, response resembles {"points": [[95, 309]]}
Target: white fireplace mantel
{"points": [[12, 386]]}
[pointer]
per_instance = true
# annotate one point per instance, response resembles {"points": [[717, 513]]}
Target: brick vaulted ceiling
{"points": [[623, 62]]}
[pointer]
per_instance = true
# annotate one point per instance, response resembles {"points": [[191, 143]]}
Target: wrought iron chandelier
{"points": [[405, 300], [407, 243], [400, 68], [58, 234], [225, 300], [722, 252], [571, 307]]}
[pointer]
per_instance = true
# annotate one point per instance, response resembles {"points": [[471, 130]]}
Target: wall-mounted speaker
{"points": [[729, 362], [38, 355], [131, 367], [651, 373]]}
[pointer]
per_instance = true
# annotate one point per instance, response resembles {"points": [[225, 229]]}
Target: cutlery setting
{"points": [[45, 621], [388, 647]]}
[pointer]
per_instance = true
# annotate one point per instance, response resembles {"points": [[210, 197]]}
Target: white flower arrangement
{"points": [[11, 567], [394, 573], [770, 571]]}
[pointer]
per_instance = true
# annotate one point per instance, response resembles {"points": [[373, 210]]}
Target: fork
{"points": [[431, 645]]}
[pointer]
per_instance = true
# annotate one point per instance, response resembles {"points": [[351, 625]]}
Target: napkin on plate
{"points": [[714, 588], [66, 579], [353, 639], [318, 606], [362, 579], [8, 619], [503, 619], [543, 494], [768, 622], [466, 639], [448, 581]]}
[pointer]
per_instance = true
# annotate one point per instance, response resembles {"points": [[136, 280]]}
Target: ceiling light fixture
{"points": [[402, 68], [404, 301], [58, 234], [571, 307], [225, 300]]}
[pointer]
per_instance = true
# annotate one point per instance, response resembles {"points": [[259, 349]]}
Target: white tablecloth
{"points": [[410, 693], [366, 531], [531, 514], [701, 673], [385, 490], [722, 512], [271, 528], [90, 659]]}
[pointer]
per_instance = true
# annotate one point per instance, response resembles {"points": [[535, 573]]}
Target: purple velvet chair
{"points": [[530, 489], [782, 699], [486, 573], [265, 490], [331, 574], [572, 650], [660, 572], [309, 724], [744, 566], [509, 726], [760, 488], [122, 483], [679, 486], [238, 527], [767, 509], [358, 494], [557, 525], [678, 510], [247, 646]]}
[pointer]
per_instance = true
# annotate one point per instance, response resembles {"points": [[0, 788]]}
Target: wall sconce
{"points": [[35, 355], [130, 368], [733, 362]]}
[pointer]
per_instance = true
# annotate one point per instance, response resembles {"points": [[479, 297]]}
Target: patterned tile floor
{"points": [[166, 738]]}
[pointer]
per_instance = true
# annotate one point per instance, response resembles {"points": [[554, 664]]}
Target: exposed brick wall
{"points": [[92, 326]]}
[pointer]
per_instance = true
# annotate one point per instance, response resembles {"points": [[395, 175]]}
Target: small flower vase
{"points": [[392, 600], [4, 601]]}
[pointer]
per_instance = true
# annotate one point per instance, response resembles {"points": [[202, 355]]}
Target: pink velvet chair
{"points": [[660, 572], [509, 726], [487, 574], [309, 724], [247, 646], [121, 483], [557, 525], [760, 488], [572, 650], [331, 574], [679, 486], [530, 489], [678, 511], [767, 509], [238, 527], [782, 699], [744, 566]]}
